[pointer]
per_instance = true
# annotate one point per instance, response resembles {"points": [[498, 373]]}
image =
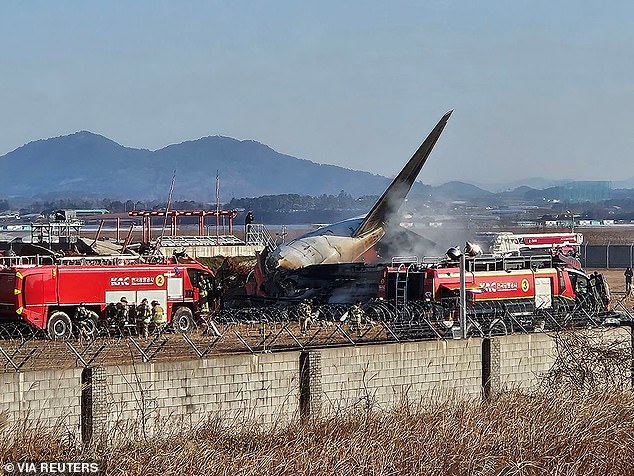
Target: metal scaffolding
{"points": [[175, 215]]}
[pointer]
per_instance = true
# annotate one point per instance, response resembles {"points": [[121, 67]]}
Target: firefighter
{"points": [[248, 221], [304, 312], [603, 288], [159, 319], [81, 313], [123, 312], [143, 315], [203, 293], [597, 290], [111, 314], [357, 314], [81, 316], [628, 281], [217, 294]]}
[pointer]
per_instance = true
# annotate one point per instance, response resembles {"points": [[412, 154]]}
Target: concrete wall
{"points": [[275, 387], [383, 375], [522, 359], [261, 388], [52, 398]]}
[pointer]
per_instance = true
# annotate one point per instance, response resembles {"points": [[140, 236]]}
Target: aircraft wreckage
{"points": [[327, 263]]}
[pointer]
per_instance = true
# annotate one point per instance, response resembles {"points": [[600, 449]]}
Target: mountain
{"points": [[85, 163], [89, 165], [460, 191], [532, 182], [80, 162]]}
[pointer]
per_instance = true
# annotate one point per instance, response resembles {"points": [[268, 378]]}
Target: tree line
{"points": [[266, 203]]}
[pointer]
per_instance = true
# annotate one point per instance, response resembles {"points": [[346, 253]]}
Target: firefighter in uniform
{"points": [[203, 294], [602, 288], [357, 314], [143, 315], [123, 312], [304, 315], [597, 289], [628, 281], [81, 316], [159, 319]]}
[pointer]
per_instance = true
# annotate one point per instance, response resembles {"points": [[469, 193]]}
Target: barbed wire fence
{"points": [[278, 328]]}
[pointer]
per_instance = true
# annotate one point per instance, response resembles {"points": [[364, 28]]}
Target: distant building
{"points": [[585, 191]]}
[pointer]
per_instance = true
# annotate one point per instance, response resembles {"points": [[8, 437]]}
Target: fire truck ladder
{"points": [[405, 264], [110, 260], [40, 260], [35, 260]]}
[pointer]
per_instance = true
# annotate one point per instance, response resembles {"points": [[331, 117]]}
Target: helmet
{"points": [[155, 302], [123, 299], [143, 300], [454, 253], [472, 249]]}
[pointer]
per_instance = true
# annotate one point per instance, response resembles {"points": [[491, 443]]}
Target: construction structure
{"points": [[63, 229], [175, 215], [210, 240]]}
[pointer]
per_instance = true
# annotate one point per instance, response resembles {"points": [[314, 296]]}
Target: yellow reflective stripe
{"points": [[17, 291], [19, 275], [19, 310]]}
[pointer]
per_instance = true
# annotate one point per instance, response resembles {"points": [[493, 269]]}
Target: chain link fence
{"points": [[607, 256]]}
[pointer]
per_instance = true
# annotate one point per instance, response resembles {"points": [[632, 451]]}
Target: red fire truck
{"points": [[513, 244], [48, 296], [520, 290]]}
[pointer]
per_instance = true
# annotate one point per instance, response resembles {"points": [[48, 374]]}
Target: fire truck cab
{"points": [[48, 297]]}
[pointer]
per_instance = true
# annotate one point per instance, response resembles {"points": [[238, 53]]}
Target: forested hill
{"points": [[89, 164]]}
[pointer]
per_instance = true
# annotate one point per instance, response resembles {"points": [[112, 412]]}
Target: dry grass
{"points": [[515, 433]]}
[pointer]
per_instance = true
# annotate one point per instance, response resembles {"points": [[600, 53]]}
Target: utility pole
{"points": [[463, 296], [217, 205]]}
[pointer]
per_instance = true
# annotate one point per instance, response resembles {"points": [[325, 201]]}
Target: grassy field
{"points": [[563, 433]]}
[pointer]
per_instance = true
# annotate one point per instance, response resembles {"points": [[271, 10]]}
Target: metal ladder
{"points": [[403, 265], [259, 234], [401, 287]]}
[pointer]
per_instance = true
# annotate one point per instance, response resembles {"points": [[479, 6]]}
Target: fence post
{"points": [[86, 406], [490, 366], [632, 354], [309, 384], [93, 406]]}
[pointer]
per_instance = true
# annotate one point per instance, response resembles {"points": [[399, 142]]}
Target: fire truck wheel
{"points": [[59, 326], [183, 320]]}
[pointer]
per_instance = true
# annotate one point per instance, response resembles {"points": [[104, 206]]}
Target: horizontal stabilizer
{"points": [[395, 194]]}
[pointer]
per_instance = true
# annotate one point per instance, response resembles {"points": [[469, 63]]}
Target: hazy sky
{"points": [[539, 88]]}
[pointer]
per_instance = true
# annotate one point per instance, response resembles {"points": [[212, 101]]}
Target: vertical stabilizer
{"points": [[395, 194]]}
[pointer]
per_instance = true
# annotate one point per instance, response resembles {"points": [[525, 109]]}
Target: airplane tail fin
{"points": [[395, 194]]}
